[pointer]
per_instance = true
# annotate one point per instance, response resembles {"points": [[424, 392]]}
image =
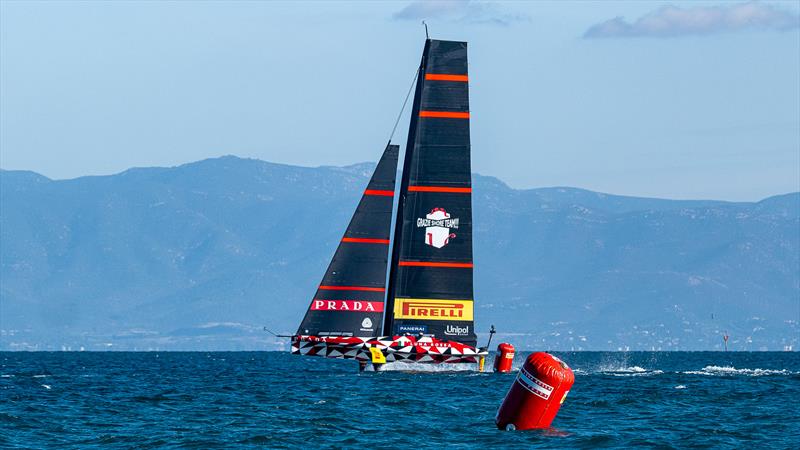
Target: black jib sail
{"points": [[430, 283], [350, 299]]}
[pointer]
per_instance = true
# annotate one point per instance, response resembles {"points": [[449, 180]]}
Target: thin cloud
{"points": [[460, 11], [671, 21]]}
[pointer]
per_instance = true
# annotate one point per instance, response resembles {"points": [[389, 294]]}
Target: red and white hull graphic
{"points": [[425, 349]]}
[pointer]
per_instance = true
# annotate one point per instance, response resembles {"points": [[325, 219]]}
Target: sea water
{"points": [[270, 399]]}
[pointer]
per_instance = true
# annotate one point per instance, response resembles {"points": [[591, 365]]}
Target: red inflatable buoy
{"points": [[536, 395], [504, 358]]}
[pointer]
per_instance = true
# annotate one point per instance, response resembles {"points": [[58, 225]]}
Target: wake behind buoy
{"points": [[536, 395], [504, 358]]}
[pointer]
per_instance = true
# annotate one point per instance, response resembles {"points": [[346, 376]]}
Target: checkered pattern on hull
{"points": [[425, 349]]}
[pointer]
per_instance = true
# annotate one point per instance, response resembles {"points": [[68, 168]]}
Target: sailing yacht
{"points": [[423, 312]]}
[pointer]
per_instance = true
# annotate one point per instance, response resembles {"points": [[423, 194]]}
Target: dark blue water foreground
{"points": [[202, 400]]}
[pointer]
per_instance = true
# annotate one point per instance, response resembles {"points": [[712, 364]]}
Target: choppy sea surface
{"points": [[271, 399]]}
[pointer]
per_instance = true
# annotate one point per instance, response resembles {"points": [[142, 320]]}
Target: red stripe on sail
{"points": [[445, 77], [378, 192], [435, 264], [366, 241], [445, 114], [352, 288], [456, 190]]}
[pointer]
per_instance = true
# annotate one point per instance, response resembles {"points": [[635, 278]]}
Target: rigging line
{"points": [[276, 335], [405, 102]]}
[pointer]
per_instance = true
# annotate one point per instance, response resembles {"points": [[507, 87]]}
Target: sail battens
{"points": [[435, 264], [429, 289], [446, 77], [432, 254], [350, 297], [445, 114], [366, 241], [352, 288], [454, 190], [379, 192]]}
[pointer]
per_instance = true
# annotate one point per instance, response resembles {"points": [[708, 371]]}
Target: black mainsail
{"points": [[430, 283], [350, 298]]}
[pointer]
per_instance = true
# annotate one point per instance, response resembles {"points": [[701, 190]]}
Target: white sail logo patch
{"points": [[437, 226], [366, 325]]}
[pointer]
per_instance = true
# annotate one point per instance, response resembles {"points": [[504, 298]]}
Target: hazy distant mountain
{"points": [[203, 255]]}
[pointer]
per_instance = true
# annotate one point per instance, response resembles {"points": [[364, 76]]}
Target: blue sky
{"points": [[665, 99]]}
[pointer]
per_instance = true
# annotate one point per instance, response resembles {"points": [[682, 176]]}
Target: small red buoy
{"points": [[536, 395], [504, 358]]}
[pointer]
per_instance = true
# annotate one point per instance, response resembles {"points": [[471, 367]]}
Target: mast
{"points": [[350, 299], [398, 224], [430, 283]]}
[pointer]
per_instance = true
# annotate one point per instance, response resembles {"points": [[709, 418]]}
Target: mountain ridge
{"points": [[141, 258], [360, 167]]}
